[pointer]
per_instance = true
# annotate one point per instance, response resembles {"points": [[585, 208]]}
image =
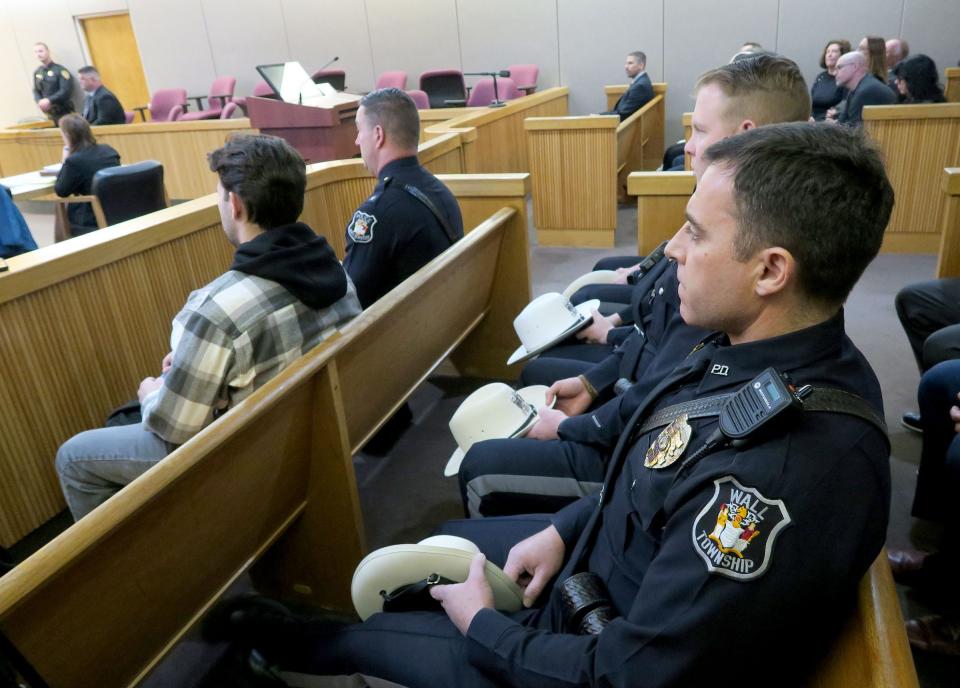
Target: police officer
{"points": [[501, 477], [52, 85], [411, 216], [706, 557]]}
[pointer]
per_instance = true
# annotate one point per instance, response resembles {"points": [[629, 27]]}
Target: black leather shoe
{"points": [[911, 421], [248, 618], [906, 565]]}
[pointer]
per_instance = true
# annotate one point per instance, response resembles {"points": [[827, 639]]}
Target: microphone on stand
{"points": [[503, 73], [336, 58]]}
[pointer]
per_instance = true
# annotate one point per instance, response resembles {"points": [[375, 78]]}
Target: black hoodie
{"points": [[299, 260]]}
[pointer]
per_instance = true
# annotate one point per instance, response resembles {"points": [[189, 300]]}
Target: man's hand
{"points": [[148, 385], [44, 104], [546, 426], [832, 114], [571, 395], [462, 601], [954, 416], [596, 332], [531, 563], [167, 363], [624, 273]]}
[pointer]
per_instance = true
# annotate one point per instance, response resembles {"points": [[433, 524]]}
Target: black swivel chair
{"points": [[444, 87]]}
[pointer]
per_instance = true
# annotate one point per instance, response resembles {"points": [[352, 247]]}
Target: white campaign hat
{"points": [[449, 556], [547, 320], [493, 411], [595, 277]]}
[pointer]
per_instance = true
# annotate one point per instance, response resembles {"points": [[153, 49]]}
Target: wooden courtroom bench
{"points": [[661, 205], [271, 481], [918, 141], [493, 138], [952, 89], [77, 337], [578, 164], [948, 260], [181, 147]]}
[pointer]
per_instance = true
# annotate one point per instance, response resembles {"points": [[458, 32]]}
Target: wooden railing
{"points": [[181, 147], [661, 205], [918, 141], [952, 89], [578, 165], [104, 601], [948, 262]]}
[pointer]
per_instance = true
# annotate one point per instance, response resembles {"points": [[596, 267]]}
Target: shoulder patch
{"points": [[65, 74], [360, 228], [39, 74], [735, 532]]}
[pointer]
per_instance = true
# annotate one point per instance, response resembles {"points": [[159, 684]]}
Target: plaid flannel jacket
{"points": [[230, 338]]}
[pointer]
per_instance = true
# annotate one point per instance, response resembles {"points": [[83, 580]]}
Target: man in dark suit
{"points": [[640, 91], [100, 106]]}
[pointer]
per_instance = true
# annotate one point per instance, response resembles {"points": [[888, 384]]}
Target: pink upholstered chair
{"points": [[229, 110], [420, 99], [221, 92], [392, 80], [128, 116], [444, 87], [335, 77], [525, 77], [166, 105], [482, 93], [261, 90]]}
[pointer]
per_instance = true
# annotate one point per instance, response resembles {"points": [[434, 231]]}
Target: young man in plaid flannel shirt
{"points": [[285, 292]]}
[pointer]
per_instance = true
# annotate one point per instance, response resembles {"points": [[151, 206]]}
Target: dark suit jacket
{"points": [[639, 94], [870, 91], [104, 108], [76, 177]]}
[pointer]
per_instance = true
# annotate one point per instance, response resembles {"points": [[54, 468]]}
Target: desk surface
{"points": [[28, 185]]}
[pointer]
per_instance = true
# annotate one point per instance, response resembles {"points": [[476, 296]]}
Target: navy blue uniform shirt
{"points": [[392, 235]]}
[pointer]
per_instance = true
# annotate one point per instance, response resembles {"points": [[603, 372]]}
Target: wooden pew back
{"points": [[952, 89], [181, 147], [103, 602], [640, 142], [661, 205], [948, 260], [918, 141]]}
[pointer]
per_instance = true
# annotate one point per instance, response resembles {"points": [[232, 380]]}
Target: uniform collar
{"points": [[733, 365], [394, 166]]}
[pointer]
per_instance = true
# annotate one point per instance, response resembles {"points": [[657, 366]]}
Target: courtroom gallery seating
{"points": [[420, 98], [129, 191], [166, 105], [525, 77], [444, 87], [221, 93], [392, 80]]}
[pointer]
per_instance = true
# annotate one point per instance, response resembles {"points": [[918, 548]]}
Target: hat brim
{"points": [[391, 567], [535, 395], [595, 277], [586, 310]]}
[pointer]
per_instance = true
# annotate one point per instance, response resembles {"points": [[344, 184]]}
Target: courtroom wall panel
{"points": [[488, 42], [931, 27], [413, 37], [318, 30], [593, 48], [16, 98]]}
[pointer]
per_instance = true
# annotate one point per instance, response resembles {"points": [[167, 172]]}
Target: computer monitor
{"points": [[290, 81]]}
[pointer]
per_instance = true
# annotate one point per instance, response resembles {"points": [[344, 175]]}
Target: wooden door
{"points": [[114, 52]]}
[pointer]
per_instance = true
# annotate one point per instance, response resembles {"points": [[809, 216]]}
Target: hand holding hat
{"points": [[546, 321], [462, 601], [548, 420], [570, 395]]}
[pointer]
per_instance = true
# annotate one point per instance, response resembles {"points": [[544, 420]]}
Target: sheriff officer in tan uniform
{"points": [[52, 85]]}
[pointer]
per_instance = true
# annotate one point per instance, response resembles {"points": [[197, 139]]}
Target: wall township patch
{"points": [[735, 531], [360, 228]]}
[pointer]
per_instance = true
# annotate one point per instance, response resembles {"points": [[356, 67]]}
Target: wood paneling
{"points": [[948, 262], [156, 551], [580, 166], [952, 89], [661, 205], [918, 141], [181, 147]]}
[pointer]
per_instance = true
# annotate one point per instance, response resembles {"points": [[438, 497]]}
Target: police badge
{"points": [[360, 228], [670, 444], [735, 531]]}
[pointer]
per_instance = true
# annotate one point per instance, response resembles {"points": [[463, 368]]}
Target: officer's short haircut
{"points": [[78, 132], [46, 47], [764, 89], [396, 113], [639, 56], [266, 173], [818, 190], [89, 69]]}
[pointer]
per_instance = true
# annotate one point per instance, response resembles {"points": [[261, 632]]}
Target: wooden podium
{"points": [[323, 130]]}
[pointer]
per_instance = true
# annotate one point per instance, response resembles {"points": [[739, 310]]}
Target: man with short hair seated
{"points": [[862, 87], [640, 91], [284, 293], [702, 550]]}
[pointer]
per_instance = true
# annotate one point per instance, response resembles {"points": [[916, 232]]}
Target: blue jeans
{"points": [[94, 465], [938, 480]]}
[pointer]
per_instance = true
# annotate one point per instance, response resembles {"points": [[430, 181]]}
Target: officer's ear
{"points": [[379, 135], [777, 269]]}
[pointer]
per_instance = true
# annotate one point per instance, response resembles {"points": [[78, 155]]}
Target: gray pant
{"points": [[930, 315], [94, 465]]}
